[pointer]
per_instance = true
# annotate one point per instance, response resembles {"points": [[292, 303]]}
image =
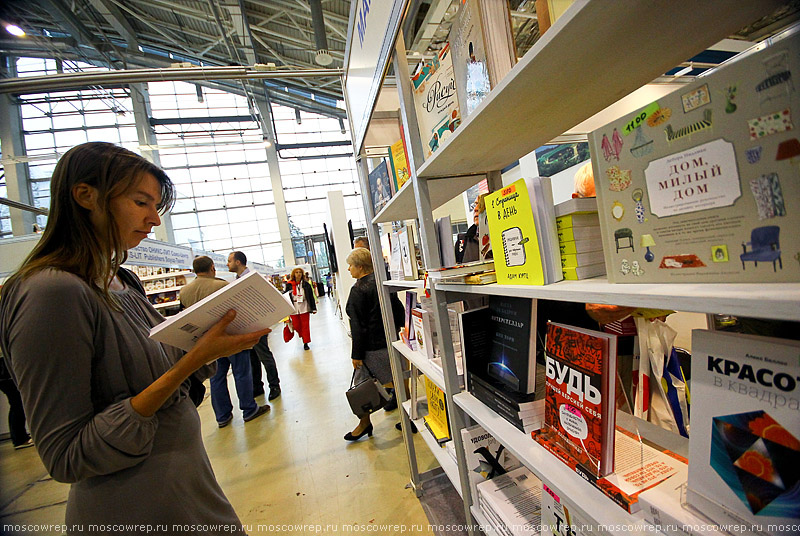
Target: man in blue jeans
{"points": [[204, 284]]}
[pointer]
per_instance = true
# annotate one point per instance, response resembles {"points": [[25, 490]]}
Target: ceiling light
{"points": [[323, 58], [13, 29]]}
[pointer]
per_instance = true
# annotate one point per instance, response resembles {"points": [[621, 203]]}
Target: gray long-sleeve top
{"points": [[77, 363]]}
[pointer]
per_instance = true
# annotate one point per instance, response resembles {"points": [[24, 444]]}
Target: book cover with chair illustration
{"points": [[703, 184]]}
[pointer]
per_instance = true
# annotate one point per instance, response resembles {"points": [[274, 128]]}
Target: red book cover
{"points": [[579, 396]]}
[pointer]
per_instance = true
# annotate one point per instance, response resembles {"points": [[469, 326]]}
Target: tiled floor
{"points": [[287, 469]]}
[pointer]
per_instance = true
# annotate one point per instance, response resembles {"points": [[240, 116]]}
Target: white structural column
{"points": [[149, 147], [16, 173], [265, 111], [337, 226]]}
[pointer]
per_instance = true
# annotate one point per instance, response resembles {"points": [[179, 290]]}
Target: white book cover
{"points": [[516, 498], [258, 306], [481, 451], [662, 507], [558, 518], [745, 442], [436, 101]]}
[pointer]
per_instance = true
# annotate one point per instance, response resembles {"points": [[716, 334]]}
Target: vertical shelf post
{"points": [[428, 244]]}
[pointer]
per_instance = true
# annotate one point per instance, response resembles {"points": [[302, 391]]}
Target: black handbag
{"points": [[368, 396]]}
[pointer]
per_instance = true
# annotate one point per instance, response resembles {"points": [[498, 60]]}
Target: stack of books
{"points": [[523, 411], [471, 273], [512, 502], [579, 239]]}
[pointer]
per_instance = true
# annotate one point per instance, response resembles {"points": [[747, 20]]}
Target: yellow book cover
{"points": [[436, 419], [397, 155], [517, 257]]}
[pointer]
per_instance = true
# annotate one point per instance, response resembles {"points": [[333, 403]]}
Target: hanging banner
{"points": [[371, 35], [154, 253]]}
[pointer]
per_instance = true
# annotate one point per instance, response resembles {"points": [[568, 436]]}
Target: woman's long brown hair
{"points": [[70, 241]]}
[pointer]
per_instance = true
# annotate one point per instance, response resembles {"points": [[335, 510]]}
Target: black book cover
{"points": [[515, 402], [512, 360]]}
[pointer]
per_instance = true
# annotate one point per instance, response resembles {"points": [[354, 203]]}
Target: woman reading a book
{"points": [[108, 407]]}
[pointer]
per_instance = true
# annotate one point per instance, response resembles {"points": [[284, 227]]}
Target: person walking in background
{"points": [[16, 414], [302, 296], [108, 406], [203, 285], [260, 353], [369, 354]]}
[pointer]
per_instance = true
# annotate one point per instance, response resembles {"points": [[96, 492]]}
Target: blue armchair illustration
{"points": [[764, 246]]}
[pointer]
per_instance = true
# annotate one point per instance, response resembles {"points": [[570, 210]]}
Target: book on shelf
{"points": [[408, 325], [423, 344], [523, 233], [558, 518], [435, 100], [579, 398], [574, 247], [436, 419], [485, 456], [574, 273], [513, 500], [429, 332], [638, 467], [699, 185], [571, 260], [484, 278], [484, 237], [663, 507], [473, 337], [745, 437], [399, 164], [577, 220], [568, 234], [444, 235], [483, 49], [258, 305], [468, 268], [380, 186], [396, 257], [408, 256], [576, 205], [512, 355], [505, 404]]}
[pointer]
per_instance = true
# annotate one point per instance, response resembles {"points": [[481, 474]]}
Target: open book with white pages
{"points": [[257, 303]]}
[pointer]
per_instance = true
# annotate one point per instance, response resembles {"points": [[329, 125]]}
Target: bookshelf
{"points": [[447, 463], [593, 56], [422, 363]]}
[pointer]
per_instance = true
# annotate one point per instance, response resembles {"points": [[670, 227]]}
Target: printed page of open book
{"points": [[257, 303]]}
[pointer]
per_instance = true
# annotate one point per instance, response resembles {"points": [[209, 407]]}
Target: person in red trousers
{"points": [[302, 296]]}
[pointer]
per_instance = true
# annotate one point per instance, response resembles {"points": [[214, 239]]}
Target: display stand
{"points": [[574, 71]]}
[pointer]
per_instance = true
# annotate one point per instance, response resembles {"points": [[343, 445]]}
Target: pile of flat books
{"points": [[512, 502], [579, 239], [523, 411], [471, 273]]}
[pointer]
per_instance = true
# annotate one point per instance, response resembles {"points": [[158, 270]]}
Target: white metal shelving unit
{"points": [[447, 463], [594, 55]]}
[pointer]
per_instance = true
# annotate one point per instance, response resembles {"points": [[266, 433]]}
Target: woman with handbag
{"points": [[302, 296], [369, 354], [109, 407]]}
